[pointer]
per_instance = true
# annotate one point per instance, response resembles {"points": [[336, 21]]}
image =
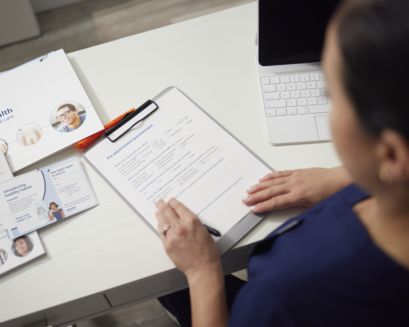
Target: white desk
{"points": [[107, 257]]}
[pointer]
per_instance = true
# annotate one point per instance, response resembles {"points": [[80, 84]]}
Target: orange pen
{"points": [[88, 141]]}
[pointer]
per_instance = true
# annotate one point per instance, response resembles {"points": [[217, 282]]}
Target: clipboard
{"points": [[142, 115]]}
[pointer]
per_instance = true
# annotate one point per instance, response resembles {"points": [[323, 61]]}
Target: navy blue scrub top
{"points": [[322, 269]]}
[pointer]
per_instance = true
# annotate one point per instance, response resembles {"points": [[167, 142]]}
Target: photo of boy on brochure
{"points": [[68, 117]]}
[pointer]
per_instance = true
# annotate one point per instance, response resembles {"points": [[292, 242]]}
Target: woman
{"points": [[22, 246], [345, 261], [55, 212]]}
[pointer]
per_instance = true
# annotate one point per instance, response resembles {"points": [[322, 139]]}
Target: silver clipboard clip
{"points": [[130, 120]]}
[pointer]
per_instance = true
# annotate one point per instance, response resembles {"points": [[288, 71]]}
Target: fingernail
{"points": [[244, 199], [252, 208]]}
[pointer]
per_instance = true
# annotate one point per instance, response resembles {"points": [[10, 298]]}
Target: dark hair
{"points": [[49, 207], [28, 242], [374, 44], [69, 105]]}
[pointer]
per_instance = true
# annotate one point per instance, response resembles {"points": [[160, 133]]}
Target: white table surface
{"points": [[213, 60]]}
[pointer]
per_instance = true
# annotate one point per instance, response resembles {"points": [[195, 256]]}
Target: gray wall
{"points": [[17, 21]]}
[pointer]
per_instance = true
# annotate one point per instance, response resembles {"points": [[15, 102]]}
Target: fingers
{"points": [[166, 212], [181, 210], [167, 218], [268, 183], [265, 194], [276, 174], [276, 203]]}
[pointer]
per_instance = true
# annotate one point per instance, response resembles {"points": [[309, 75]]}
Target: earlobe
{"points": [[393, 155]]}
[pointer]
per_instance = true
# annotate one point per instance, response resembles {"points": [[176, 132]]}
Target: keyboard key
{"points": [[324, 93], [302, 102], [302, 110], [272, 96], [322, 100], [319, 109], [305, 93], [315, 93], [274, 80], [295, 94], [275, 104], [285, 95], [312, 101], [265, 80], [292, 111], [269, 96], [311, 85], [321, 76], [320, 84], [291, 87], [284, 79], [271, 112], [301, 86], [304, 78], [294, 79], [282, 112], [281, 87], [291, 103], [269, 88], [314, 77]]}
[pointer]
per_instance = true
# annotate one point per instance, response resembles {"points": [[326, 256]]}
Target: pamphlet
{"points": [[14, 253], [44, 196], [43, 109], [22, 249]]}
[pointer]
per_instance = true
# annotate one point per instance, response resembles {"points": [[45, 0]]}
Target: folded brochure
{"points": [[14, 253], [45, 196], [43, 109]]}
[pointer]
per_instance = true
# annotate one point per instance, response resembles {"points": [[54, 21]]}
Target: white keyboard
{"points": [[295, 94]]}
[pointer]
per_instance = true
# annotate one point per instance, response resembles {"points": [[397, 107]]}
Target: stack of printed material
{"points": [[43, 109], [37, 199]]}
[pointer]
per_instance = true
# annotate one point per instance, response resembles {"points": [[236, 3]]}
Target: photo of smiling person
{"points": [[68, 117], [55, 212], [22, 246]]}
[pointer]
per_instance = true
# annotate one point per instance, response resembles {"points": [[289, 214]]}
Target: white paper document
{"points": [[44, 196], [180, 152], [43, 109]]}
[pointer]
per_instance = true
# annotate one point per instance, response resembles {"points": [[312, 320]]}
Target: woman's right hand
{"points": [[295, 188]]}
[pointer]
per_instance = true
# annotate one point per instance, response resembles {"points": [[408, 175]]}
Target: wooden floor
{"points": [[92, 22]]}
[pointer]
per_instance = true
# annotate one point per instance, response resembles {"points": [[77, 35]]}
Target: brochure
{"points": [[43, 109], [44, 196], [22, 249], [14, 253]]}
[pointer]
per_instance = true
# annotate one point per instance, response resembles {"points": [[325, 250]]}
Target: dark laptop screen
{"points": [[292, 31]]}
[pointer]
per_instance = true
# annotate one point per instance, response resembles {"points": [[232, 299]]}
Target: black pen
{"points": [[212, 231]]}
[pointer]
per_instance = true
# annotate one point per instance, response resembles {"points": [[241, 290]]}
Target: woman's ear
{"points": [[393, 155]]}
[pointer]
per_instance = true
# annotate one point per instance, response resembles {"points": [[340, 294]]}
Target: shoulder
{"points": [[82, 116]]}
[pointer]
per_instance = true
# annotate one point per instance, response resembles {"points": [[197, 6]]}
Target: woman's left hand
{"points": [[186, 240]]}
